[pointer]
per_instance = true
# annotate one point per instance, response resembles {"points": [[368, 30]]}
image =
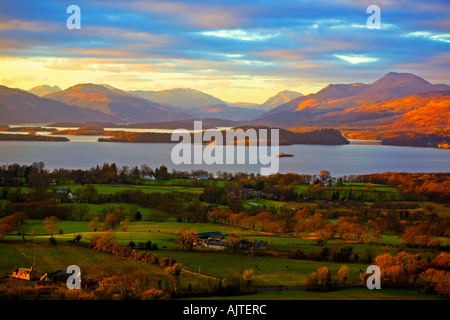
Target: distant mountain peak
{"points": [[183, 98], [400, 76], [280, 98], [42, 90]]}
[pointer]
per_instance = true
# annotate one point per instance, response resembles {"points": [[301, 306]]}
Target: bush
{"points": [[154, 259], [298, 255], [151, 246], [52, 241], [164, 262], [319, 280]]}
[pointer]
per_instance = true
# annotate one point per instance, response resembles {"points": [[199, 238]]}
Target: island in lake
{"points": [[322, 137], [30, 137]]}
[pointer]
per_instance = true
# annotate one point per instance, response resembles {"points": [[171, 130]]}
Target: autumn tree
{"points": [[111, 221], [93, 224], [174, 271], [186, 238], [233, 243], [248, 277], [12, 222], [342, 274], [325, 234], [50, 224], [325, 175], [124, 225], [320, 280]]}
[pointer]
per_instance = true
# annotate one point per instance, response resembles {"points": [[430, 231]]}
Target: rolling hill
{"points": [[183, 98], [19, 107], [201, 105], [116, 103]]}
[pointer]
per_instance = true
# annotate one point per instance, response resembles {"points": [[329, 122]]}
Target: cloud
{"points": [[238, 34], [356, 59], [25, 25], [444, 37], [305, 44]]}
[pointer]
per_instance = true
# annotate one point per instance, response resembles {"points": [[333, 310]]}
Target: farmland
{"points": [[117, 228]]}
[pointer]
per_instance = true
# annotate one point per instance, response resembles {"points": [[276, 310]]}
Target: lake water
{"points": [[84, 152]]}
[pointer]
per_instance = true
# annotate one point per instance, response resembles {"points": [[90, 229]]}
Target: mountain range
{"points": [[395, 101]]}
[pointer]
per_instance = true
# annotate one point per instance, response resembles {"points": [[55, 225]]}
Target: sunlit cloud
{"points": [[356, 59], [238, 35], [444, 37], [360, 26]]}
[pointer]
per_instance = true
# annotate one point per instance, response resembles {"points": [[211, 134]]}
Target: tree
{"points": [[5, 229], [342, 274], [325, 176], [93, 225], [88, 194], [12, 222], [124, 225], [82, 211], [161, 173], [175, 271], [248, 277], [233, 243], [319, 280], [186, 238], [324, 278], [325, 234], [111, 221], [50, 224], [138, 216]]}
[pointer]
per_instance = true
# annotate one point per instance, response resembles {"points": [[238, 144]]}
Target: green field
{"points": [[268, 271], [355, 186], [164, 234], [108, 189], [346, 294]]}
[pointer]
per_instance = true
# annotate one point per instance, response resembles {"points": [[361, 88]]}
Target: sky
{"points": [[238, 51]]}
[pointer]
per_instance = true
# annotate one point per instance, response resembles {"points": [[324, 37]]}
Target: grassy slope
{"points": [[347, 294], [268, 271], [91, 262]]}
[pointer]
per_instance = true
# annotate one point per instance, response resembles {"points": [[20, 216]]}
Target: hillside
{"points": [[116, 103], [280, 98], [18, 107], [201, 105], [396, 98], [183, 98]]}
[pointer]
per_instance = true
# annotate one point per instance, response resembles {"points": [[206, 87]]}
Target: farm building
{"points": [[24, 273], [214, 239]]}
